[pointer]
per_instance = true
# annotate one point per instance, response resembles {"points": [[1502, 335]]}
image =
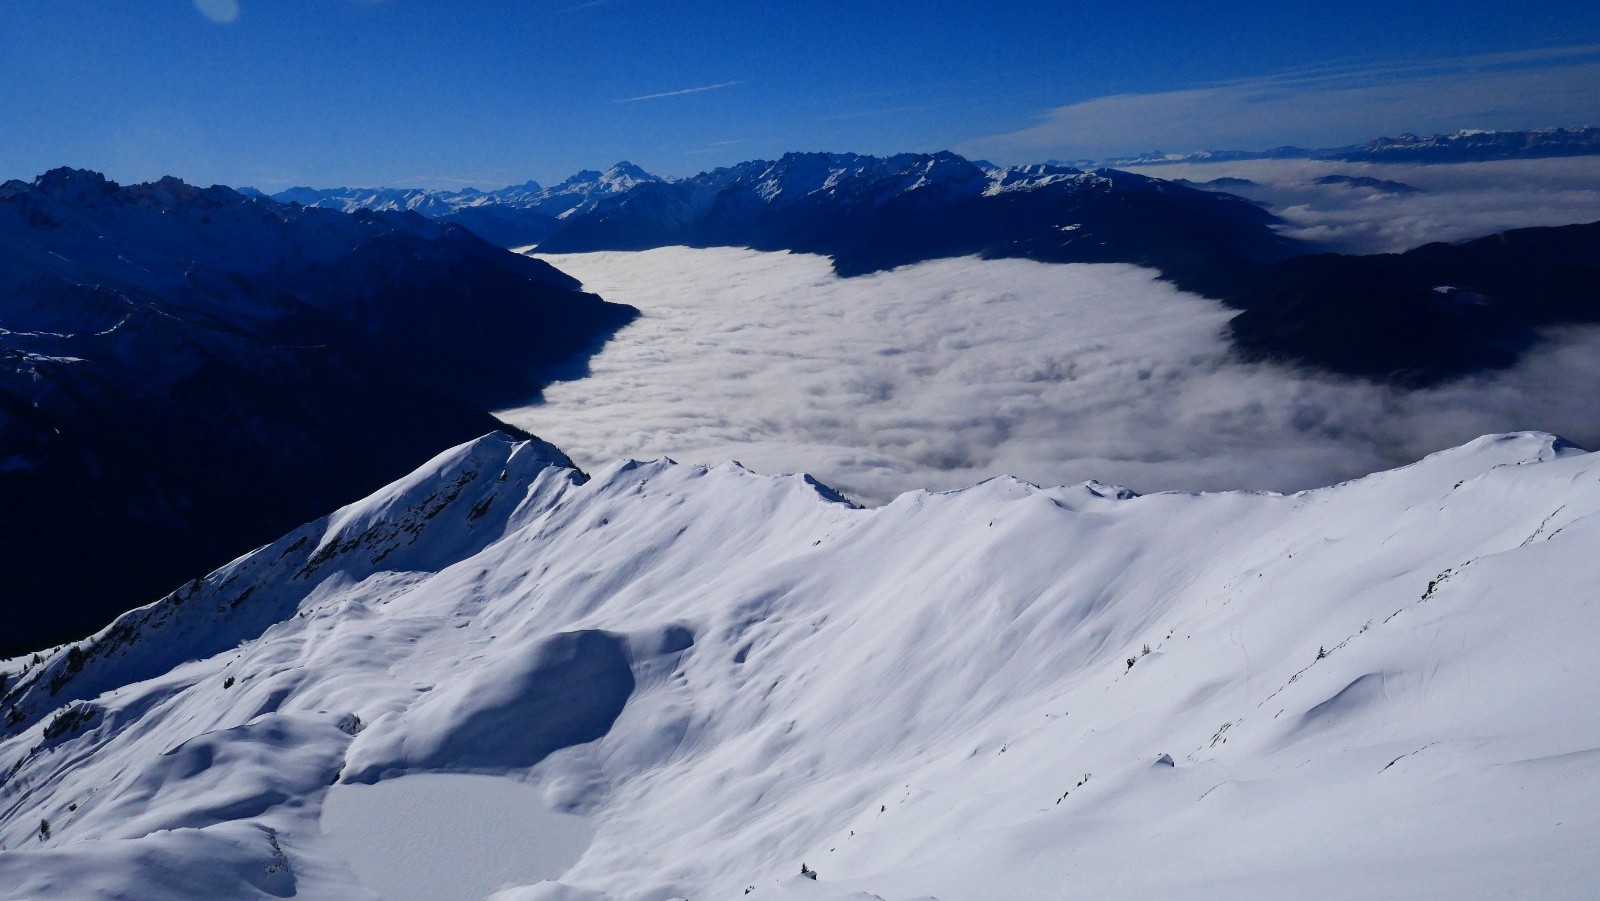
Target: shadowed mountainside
{"points": [[186, 372]]}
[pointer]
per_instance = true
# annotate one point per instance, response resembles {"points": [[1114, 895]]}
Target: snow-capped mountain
{"points": [[669, 681], [172, 356], [1476, 145], [872, 213], [511, 217], [433, 204]]}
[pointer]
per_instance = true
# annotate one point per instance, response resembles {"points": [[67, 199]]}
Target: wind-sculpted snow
{"points": [[569, 687], [1384, 688]]}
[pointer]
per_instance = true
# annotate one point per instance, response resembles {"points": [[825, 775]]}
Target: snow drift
{"points": [[1386, 687]]}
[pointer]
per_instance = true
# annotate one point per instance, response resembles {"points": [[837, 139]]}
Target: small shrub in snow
{"points": [[68, 719]]}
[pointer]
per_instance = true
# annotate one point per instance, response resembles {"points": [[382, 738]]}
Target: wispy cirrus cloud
{"points": [[226, 12], [1323, 105], [222, 12], [681, 92]]}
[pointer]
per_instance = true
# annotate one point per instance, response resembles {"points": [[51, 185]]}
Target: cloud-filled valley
{"points": [[945, 373], [1455, 202]]}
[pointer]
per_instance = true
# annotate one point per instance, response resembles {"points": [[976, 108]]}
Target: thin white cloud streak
{"points": [[1338, 73], [222, 12], [1319, 107], [1459, 200], [942, 374], [680, 93]]}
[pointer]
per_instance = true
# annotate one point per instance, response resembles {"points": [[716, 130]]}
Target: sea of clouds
{"points": [[1455, 202], [945, 373]]}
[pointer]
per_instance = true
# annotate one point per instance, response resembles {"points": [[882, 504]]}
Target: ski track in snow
{"points": [[1386, 688], [945, 373]]}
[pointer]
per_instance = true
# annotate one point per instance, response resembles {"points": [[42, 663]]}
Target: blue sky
{"points": [[438, 94]]}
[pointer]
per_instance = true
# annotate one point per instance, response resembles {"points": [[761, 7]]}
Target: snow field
{"points": [[442, 837], [1380, 689]]}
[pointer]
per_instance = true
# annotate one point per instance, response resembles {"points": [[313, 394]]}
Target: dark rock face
{"points": [[1416, 318], [186, 373], [1363, 182]]}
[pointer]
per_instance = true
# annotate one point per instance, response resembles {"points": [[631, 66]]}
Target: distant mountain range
{"points": [[866, 212], [171, 355], [873, 213], [511, 217], [1412, 319], [1373, 317], [186, 372], [1467, 146]]}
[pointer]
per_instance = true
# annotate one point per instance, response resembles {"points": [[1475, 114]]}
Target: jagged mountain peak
{"points": [[619, 177], [624, 169], [83, 186]]}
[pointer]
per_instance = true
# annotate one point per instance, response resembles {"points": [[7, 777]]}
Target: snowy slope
{"points": [[1384, 688]]}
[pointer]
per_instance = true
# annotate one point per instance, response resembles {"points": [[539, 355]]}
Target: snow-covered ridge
{"points": [[1380, 688], [793, 176], [574, 195]]}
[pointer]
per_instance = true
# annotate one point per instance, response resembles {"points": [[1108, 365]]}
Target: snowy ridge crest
{"points": [[1002, 689], [574, 195]]}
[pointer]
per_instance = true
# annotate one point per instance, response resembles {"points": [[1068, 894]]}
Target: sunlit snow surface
{"points": [[944, 373], [1386, 688], [441, 837]]}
